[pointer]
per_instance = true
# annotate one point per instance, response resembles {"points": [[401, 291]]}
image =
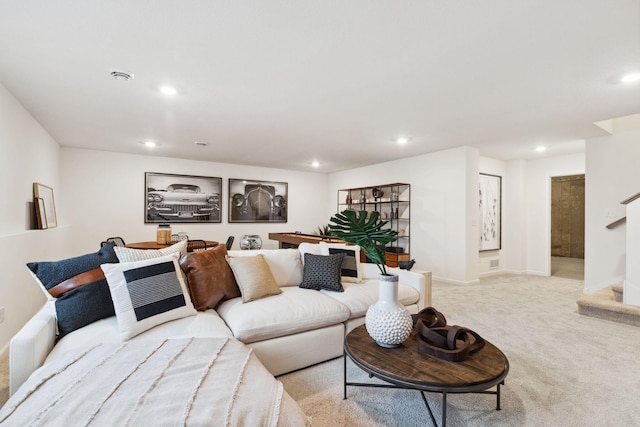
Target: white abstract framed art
{"points": [[490, 212]]}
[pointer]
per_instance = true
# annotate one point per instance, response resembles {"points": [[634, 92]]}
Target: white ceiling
{"points": [[282, 83]]}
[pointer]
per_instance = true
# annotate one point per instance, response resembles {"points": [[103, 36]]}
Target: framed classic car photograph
{"points": [[45, 206], [490, 212], [257, 201], [171, 198]]}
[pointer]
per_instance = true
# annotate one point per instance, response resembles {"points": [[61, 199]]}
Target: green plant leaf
{"points": [[366, 230]]}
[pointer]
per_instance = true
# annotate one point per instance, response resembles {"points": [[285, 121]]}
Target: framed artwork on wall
{"points": [[45, 206], [490, 212], [171, 198], [257, 201]]}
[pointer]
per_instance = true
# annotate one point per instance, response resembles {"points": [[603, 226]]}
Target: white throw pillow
{"points": [[147, 293], [351, 270], [308, 248], [285, 264], [129, 255]]}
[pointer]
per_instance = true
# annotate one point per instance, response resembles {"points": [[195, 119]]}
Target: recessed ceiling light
{"points": [[121, 75], [200, 143], [402, 140], [540, 149], [630, 78], [315, 164], [150, 144], [168, 90]]}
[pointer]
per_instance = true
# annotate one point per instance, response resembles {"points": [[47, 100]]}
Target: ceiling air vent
{"points": [[121, 75]]}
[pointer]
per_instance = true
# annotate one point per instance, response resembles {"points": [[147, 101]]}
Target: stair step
{"points": [[602, 304], [617, 291]]}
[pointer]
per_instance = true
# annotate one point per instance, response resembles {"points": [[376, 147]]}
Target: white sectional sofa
{"points": [[288, 331]]}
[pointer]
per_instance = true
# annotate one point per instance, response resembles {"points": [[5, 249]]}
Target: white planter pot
{"points": [[387, 321]]}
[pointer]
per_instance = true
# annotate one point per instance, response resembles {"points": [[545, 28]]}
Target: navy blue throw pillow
{"points": [[83, 294], [52, 273], [82, 306]]}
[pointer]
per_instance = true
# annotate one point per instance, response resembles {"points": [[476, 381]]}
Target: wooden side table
{"points": [[407, 368]]}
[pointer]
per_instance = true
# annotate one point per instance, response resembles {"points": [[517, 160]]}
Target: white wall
{"points": [[104, 197], [537, 207], [514, 217], [28, 154], [612, 175], [444, 201]]}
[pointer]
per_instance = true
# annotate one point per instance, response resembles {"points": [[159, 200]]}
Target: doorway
{"points": [[567, 226]]}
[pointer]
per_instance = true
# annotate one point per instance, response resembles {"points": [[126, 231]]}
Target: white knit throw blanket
{"points": [[170, 382]]}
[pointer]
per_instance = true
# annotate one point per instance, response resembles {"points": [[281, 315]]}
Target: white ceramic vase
{"points": [[387, 321]]}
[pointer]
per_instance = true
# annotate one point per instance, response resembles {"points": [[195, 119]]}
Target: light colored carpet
{"points": [[565, 369]]}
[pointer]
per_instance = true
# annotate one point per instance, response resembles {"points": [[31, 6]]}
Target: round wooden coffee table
{"points": [[408, 368]]}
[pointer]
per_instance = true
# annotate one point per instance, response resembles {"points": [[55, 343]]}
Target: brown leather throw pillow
{"points": [[210, 278]]}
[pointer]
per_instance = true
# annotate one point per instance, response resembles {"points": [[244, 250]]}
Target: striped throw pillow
{"points": [[147, 293]]}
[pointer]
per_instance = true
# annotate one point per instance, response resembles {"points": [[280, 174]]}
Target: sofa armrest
{"points": [[29, 348], [420, 280]]}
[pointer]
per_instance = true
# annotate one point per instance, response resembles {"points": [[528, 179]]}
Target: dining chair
{"points": [[196, 245], [119, 241], [230, 242]]}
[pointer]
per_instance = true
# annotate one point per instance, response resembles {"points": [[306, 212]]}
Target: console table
{"points": [[292, 240], [156, 245]]}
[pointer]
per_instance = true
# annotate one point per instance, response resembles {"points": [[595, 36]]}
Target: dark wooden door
{"points": [[567, 216]]}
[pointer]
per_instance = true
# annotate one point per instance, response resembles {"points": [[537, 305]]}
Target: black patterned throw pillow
{"points": [[322, 272]]}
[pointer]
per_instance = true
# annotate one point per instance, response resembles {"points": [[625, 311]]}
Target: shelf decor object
{"points": [[387, 321], [250, 242], [393, 203], [45, 206]]}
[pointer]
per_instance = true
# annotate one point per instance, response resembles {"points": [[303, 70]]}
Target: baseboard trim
{"points": [[455, 282]]}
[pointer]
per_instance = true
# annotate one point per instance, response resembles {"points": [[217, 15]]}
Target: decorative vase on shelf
{"points": [[250, 241], [387, 321]]}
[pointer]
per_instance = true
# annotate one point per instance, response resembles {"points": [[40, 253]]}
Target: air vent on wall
{"points": [[494, 263]]}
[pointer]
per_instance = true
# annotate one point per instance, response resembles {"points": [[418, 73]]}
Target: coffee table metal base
{"points": [[422, 393]]}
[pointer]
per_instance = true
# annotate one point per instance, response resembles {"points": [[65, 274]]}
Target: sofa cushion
{"points": [[209, 277], [285, 264], [351, 270], [49, 274], [129, 255], [322, 272], [294, 310], [358, 297], [78, 287], [147, 293], [83, 305], [254, 277], [308, 248]]}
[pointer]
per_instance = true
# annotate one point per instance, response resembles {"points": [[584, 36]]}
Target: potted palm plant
{"points": [[387, 321]]}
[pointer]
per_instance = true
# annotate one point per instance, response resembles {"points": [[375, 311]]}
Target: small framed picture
{"points": [[45, 207], [171, 198], [41, 216], [257, 201]]}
